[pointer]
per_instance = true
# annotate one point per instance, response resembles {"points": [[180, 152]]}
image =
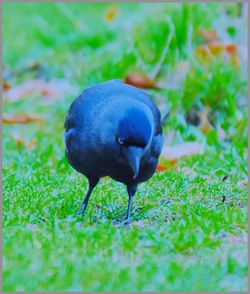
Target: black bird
{"points": [[113, 129]]}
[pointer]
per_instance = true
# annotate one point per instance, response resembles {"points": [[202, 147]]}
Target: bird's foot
{"points": [[82, 209], [127, 222], [81, 212]]}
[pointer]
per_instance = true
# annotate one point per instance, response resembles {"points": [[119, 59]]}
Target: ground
{"points": [[189, 221]]}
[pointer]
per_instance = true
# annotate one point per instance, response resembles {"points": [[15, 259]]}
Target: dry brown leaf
{"points": [[234, 60], [206, 52], [202, 52], [233, 51], [140, 81], [230, 52], [47, 89], [21, 119], [161, 167], [231, 48], [205, 125], [6, 86], [208, 36], [111, 13], [21, 142], [205, 128], [170, 155], [164, 166], [216, 48]]}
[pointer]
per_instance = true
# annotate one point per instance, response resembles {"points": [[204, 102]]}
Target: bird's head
{"points": [[134, 135]]}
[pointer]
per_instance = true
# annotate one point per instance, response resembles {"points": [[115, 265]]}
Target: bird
{"points": [[113, 129]]}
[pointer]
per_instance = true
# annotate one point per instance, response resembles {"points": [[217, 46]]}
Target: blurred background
{"points": [[190, 222], [191, 58]]}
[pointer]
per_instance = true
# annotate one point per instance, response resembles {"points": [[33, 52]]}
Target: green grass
{"points": [[183, 237]]}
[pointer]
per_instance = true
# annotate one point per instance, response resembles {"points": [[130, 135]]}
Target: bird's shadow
{"points": [[115, 216]]}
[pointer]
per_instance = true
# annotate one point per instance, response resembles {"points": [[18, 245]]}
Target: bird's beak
{"points": [[133, 155]]}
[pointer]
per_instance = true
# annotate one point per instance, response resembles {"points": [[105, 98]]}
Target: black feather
{"points": [[108, 129]]}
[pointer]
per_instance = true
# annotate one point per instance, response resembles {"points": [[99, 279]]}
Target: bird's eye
{"points": [[120, 141]]}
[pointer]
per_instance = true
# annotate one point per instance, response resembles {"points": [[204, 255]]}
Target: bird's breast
{"points": [[119, 170]]}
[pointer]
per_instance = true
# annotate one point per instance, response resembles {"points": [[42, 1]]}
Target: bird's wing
{"points": [[79, 112], [117, 89]]}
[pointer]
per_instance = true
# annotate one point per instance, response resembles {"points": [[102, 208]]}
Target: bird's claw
{"points": [[127, 222], [80, 212]]}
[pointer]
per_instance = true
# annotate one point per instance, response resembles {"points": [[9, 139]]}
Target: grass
{"points": [[183, 236]]}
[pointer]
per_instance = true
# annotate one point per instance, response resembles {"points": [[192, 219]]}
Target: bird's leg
{"points": [[131, 192], [92, 184]]}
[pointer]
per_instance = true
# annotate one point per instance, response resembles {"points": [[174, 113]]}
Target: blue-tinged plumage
{"points": [[113, 129], [135, 131]]}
